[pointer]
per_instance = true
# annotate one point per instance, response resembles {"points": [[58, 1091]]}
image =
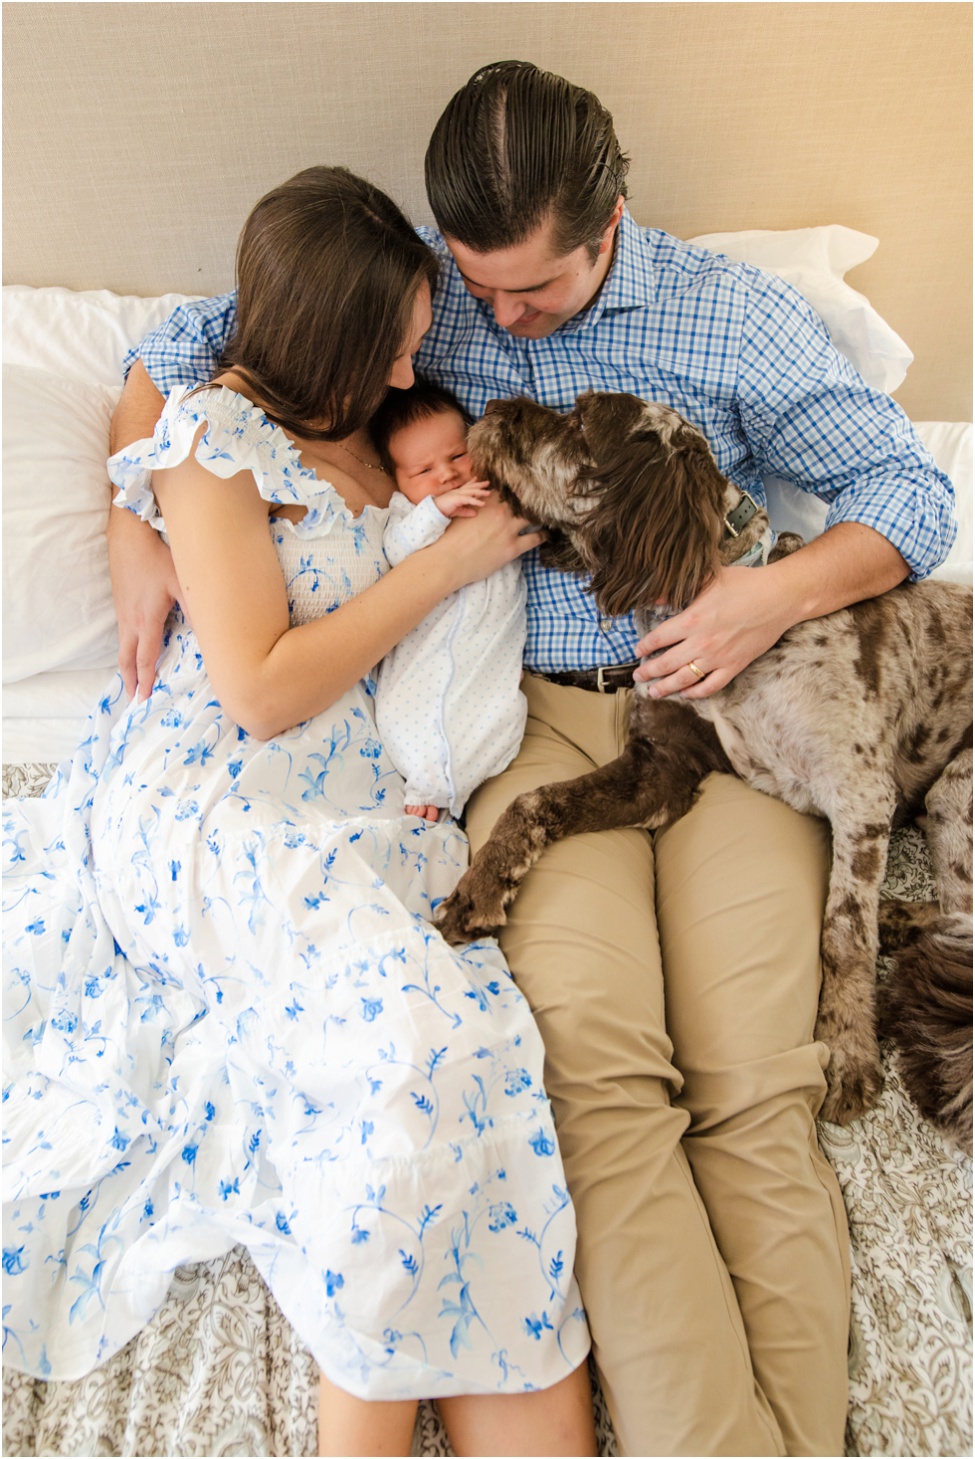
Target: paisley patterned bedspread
{"points": [[219, 1371]]}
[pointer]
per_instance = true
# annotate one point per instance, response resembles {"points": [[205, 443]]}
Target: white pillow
{"points": [[951, 445], [62, 356], [57, 599], [85, 335], [814, 261]]}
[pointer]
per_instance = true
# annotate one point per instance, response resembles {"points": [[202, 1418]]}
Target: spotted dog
{"points": [[856, 717]]}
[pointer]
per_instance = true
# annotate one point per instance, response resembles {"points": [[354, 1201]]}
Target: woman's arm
{"points": [[267, 675]]}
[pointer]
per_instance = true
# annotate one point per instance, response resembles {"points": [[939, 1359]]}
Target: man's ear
{"points": [[610, 232]]}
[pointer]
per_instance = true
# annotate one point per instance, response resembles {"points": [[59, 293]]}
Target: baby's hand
{"points": [[463, 501]]}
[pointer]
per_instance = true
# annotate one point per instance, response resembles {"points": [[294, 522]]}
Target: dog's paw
{"points": [[853, 1085], [464, 916], [785, 543]]}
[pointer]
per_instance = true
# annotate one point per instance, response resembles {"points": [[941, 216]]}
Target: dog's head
{"points": [[629, 491]]}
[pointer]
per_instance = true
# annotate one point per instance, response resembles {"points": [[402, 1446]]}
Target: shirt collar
{"points": [[629, 283]]}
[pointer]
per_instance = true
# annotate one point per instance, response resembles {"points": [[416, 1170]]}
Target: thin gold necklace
{"points": [[368, 464]]}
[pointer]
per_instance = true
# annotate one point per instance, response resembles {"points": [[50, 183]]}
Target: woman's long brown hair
{"points": [[328, 271]]}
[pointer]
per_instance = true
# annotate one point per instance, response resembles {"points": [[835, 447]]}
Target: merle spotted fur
{"points": [[858, 716]]}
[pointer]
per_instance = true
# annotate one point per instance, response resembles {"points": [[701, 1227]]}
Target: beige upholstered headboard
{"points": [[136, 136]]}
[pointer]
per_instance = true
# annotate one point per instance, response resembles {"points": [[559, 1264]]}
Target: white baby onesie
{"points": [[448, 707]]}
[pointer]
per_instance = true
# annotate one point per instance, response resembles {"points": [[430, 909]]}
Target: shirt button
{"points": [[605, 624]]}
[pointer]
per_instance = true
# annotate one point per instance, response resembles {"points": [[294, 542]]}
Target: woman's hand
{"points": [[144, 587], [267, 673], [730, 623], [475, 547]]}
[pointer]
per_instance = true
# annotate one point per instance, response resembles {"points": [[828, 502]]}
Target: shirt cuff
{"points": [[916, 517]]}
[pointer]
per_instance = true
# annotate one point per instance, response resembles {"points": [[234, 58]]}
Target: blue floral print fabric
{"points": [[229, 1020]]}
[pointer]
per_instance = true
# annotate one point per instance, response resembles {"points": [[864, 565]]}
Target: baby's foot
{"points": [[425, 812]]}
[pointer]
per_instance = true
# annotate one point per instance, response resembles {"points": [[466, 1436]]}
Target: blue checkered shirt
{"points": [[734, 349]]}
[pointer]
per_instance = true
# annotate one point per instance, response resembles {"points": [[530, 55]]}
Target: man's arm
{"points": [[144, 583], [139, 408], [809, 417], [183, 351]]}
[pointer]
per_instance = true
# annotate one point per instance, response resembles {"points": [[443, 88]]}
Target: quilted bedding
{"points": [[219, 1371]]}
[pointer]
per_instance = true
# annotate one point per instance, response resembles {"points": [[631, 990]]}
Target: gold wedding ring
{"points": [[699, 673]]}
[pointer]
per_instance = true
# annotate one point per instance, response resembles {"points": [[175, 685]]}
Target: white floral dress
{"points": [[229, 1020]]}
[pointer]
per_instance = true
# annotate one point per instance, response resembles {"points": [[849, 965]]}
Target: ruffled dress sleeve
{"points": [[238, 437]]}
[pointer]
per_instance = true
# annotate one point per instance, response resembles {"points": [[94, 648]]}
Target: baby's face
{"points": [[430, 456]]}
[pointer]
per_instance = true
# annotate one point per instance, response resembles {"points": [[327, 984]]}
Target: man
{"points": [[680, 1057]]}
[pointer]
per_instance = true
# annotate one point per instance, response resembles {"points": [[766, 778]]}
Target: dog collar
{"points": [[757, 556], [738, 518]]}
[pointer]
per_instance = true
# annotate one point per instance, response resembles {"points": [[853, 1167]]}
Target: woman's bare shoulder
{"points": [[238, 383]]}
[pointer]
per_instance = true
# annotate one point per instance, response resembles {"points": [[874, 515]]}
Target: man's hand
{"points": [[730, 623], [144, 588], [744, 610]]}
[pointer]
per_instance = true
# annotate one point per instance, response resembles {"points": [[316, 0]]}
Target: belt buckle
{"points": [[600, 681]]}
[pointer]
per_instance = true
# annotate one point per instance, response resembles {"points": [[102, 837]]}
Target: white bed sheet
{"points": [[43, 716]]}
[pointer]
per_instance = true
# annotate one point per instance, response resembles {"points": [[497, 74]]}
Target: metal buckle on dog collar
{"points": [[739, 517]]}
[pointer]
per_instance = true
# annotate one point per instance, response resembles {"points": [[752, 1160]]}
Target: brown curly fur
{"points": [[863, 716], [926, 1009], [926, 1002]]}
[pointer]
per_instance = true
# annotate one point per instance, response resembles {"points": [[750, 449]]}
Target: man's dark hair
{"points": [[328, 271], [402, 407], [516, 147]]}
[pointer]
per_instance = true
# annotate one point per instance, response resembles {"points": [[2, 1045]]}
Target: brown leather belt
{"points": [[604, 680]]}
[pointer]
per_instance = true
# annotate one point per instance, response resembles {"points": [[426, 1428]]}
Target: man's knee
{"points": [[758, 1101]]}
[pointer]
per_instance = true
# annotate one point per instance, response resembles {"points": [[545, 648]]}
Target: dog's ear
{"points": [[558, 553], [655, 524]]}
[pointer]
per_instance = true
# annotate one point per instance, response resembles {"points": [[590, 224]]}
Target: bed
{"points": [[219, 1370], [136, 137]]}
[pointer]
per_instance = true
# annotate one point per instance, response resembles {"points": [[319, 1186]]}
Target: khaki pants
{"points": [[713, 1250]]}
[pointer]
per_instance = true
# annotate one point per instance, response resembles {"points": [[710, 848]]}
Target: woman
{"points": [[230, 1018]]}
